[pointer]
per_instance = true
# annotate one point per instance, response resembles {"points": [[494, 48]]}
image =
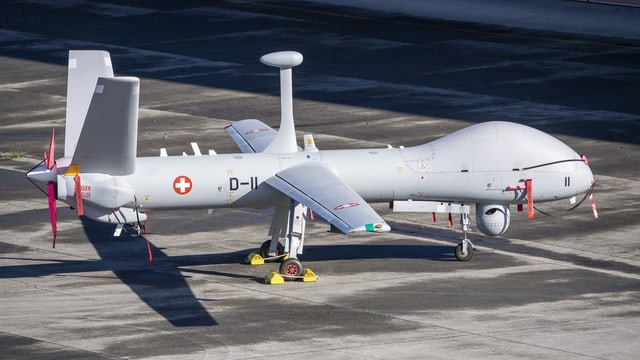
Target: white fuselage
{"points": [[479, 164]]}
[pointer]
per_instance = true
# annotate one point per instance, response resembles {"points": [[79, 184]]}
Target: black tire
{"points": [[291, 268], [458, 253], [264, 249]]}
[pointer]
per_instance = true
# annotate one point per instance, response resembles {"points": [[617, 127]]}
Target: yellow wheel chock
{"points": [[309, 276], [273, 278], [254, 259]]}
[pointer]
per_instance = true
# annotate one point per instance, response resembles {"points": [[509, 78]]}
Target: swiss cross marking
{"points": [[182, 185]]}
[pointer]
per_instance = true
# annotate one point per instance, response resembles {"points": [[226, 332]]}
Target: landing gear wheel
{"points": [[264, 249], [460, 255], [291, 268], [140, 229]]}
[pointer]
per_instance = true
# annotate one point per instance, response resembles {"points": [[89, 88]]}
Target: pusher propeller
{"points": [[48, 173], [50, 163]]}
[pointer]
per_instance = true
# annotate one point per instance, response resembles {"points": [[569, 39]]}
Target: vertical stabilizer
{"points": [[85, 67], [108, 140], [285, 140]]}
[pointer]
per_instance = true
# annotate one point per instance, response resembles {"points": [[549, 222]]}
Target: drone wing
{"points": [[317, 187], [251, 135]]}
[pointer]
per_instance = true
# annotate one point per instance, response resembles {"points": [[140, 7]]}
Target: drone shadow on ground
{"points": [[164, 286], [160, 285]]}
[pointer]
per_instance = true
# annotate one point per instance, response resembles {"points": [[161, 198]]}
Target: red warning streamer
{"points": [[529, 188], [150, 253], [593, 205], [78, 190]]}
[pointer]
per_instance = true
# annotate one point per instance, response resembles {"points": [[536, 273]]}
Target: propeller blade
{"points": [[78, 191], [49, 158], [52, 210]]}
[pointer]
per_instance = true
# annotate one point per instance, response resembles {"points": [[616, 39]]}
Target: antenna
{"points": [[285, 140]]}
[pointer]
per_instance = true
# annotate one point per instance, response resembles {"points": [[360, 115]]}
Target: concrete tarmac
{"points": [[563, 286]]}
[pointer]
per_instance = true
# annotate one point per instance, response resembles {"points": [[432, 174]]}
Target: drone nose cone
{"points": [[42, 174]]}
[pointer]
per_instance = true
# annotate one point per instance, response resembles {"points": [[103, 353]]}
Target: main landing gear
{"points": [[289, 267], [268, 255], [288, 222]]}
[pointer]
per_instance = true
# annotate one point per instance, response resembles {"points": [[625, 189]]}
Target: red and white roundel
{"points": [[182, 185], [346, 206], [256, 131]]}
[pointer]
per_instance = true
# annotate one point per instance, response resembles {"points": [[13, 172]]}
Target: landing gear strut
{"points": [[464, 250]]}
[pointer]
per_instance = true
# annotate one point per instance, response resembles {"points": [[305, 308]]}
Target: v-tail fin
{"points": [[108, 141], [85, 67]]}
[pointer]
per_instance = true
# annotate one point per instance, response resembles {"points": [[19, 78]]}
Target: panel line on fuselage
{"points": [[550, 163]]}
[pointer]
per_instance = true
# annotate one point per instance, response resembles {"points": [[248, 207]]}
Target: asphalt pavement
{"points": [[563, 286]]}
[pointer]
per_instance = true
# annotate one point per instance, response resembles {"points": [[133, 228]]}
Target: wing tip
{"points": [[373, 227]]}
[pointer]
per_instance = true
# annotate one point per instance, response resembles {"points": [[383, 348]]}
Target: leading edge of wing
{"points": [[251, 135], [314, 185]]}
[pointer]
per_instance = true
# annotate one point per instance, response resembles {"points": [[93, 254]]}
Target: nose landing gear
{"points": [[464, 250]]}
